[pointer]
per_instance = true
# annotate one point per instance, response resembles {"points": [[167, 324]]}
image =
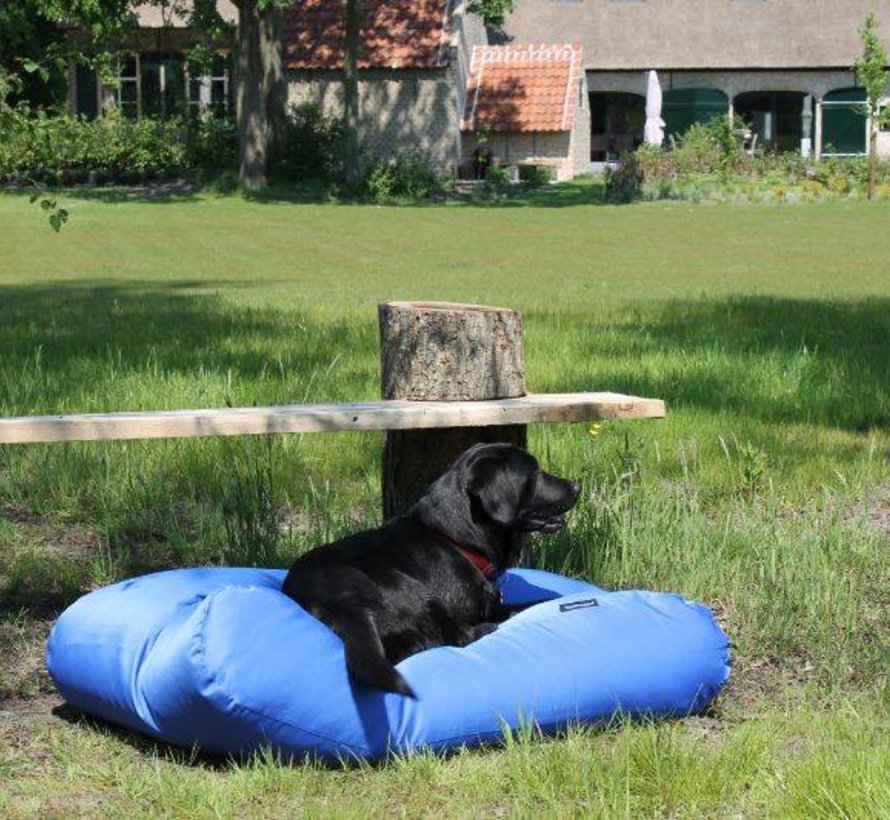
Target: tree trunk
{"points": [[435, 351], [274, 80], [872, 157], [351, 106], [251, 103]]}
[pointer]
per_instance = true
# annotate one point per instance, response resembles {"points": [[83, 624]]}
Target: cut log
{"points": [[441, 351]]}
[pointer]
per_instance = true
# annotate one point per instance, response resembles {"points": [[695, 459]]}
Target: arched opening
{"points": [[844, 125], [684, 107], [616, 124], [776, 117]]}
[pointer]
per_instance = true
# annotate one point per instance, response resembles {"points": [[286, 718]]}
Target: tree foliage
{"points": [[492, 12], [872, 74]]}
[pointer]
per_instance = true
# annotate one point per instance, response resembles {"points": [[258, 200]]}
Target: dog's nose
{"points": [[576, 488]]}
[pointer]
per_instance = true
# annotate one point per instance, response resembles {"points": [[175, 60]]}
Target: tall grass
{"points": [[764, 492]]}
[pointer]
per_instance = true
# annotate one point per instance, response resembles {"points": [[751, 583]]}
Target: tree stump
{"points": [[440, 351]]}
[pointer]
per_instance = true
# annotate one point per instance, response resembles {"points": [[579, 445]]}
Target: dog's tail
{"points": [[365, 656]]}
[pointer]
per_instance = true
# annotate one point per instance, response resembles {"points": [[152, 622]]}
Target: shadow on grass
{"points": [[153, 193], [62, 340], [313, 192], [562, 195], [782, 360]]}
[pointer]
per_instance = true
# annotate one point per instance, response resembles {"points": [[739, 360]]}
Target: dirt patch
{"points": [[39, 532], [875, 509], [42, 708], [22, 667]]}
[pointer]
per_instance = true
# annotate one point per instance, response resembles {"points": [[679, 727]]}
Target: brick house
{"points": [[527, 105], [410, 85], [429, 79]]}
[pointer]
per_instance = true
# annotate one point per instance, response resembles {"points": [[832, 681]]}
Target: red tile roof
{"points": [[394, 34], [523, 87]]}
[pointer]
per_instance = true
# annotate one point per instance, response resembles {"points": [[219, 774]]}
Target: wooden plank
{"points": [[321, 418]]}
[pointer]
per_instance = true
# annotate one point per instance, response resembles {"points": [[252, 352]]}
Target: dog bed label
{"points": [[584, 603]]}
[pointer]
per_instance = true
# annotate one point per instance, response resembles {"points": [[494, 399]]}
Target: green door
{"points": [[844, 123]]}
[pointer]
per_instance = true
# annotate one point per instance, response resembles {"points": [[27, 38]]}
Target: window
{"points": [[684, 107], [155, 84], [163, 84], [211, 92], [126, 96]]}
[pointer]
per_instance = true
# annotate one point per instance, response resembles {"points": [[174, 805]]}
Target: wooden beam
{"points": [[321, 418]]}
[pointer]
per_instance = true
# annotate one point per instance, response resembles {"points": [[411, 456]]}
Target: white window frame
{"points": [[204, 103], [134, 79]]}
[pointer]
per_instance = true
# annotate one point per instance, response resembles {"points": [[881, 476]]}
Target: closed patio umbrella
{"points": [[653, 133]]}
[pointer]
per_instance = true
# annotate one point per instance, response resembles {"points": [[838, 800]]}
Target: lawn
{"points": [[765, 493]]}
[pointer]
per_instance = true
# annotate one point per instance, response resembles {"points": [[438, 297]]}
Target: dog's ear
{"points": [[493, 488]]}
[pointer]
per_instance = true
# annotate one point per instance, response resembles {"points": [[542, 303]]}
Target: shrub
{"points": [[64, 150], [212, 143], [497, 174], [708, 162], [625, 183], [536, 174], [404, 176], [311, 147]]}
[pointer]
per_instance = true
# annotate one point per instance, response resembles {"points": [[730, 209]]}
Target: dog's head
{"points": [[507, 486], [495, 493]]}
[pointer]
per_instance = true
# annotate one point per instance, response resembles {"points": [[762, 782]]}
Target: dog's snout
{"points": [[576, 488]]}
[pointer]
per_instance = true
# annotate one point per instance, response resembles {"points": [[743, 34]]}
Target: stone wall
{"points": [[402, 111], [580, 150], [553, 148]]}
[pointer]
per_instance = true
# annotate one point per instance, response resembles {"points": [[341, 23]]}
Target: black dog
{"points": [[425, 578]]}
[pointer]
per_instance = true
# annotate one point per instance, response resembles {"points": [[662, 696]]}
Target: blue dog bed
{"points": [[221, 660]]}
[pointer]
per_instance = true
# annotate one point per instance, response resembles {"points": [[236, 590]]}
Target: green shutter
{"points": [[87, 101]]}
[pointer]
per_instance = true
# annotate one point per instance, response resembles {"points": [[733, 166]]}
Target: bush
{"points": [[311, 147], [707, 162], [625, 183], [536, 174], [404, 176], [64, 150], [497, 174], [212, 144]]}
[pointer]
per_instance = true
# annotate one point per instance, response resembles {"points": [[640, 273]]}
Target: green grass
{"points": [[766, 491]]}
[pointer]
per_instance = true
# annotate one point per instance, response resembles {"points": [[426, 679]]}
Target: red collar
{"points": [[476, 558]]}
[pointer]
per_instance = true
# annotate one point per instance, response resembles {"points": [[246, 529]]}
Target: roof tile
{"points": [[394, 34], [523, 87]]}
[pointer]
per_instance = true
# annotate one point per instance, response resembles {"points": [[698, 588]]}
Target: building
{"points": [[783, 65], [562, 85], [153, 75]]}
